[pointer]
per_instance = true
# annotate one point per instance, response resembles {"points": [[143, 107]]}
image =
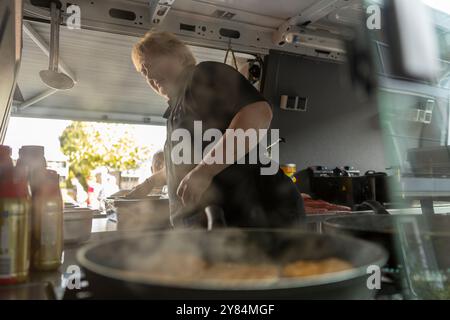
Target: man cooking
{"points": [[219, 97]]}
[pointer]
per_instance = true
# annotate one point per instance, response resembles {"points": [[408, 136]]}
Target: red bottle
{"points": [[6, 162]]}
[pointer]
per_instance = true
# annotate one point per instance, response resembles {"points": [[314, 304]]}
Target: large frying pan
{"points": [[116, 268]]}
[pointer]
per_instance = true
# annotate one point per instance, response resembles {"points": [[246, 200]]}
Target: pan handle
{"points": [[375, 206], [215, 217], [212, 217]]}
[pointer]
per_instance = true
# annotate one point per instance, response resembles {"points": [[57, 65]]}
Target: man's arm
{"points": [[256, 116], [156, 180]]}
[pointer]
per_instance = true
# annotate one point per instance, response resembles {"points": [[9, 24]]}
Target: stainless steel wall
{"points": [[338, 128]]}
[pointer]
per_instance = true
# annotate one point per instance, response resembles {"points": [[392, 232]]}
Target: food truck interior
{"points": [[359, 91]]}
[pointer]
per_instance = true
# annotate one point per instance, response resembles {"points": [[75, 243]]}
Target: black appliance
{"points": [[343, 185]]}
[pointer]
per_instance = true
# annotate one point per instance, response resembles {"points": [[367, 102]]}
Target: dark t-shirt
{"points": [[214, 93]]}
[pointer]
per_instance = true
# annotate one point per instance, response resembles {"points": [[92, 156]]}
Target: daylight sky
{"points": [[45, 132]]}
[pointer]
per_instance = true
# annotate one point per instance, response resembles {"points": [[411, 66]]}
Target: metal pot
{"points": [[142, 214], [77, 225]]}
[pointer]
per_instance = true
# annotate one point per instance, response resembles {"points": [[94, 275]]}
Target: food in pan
{"points": [[239, 271], [179, 267], [190, 268], [320, 206], [305, 268]]}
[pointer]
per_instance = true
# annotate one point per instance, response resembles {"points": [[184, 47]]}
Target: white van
{"points": [[359, 89]]}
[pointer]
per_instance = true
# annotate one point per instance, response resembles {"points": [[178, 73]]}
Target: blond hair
{"points": [[158, 160], [160, 43]]}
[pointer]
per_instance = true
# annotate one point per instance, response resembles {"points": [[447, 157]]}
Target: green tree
{"points": [[92, 145]]}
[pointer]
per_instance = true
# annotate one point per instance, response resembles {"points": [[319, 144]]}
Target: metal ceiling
{"points": [[269, 14], [108, 87]]}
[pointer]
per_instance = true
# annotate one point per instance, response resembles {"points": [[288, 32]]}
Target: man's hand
{"points": [[193, 185], [140, 190], [156, 180]]}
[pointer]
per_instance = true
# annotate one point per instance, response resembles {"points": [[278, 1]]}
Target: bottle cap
{"points": [[32, 151], [48, 183], [5, 151], [14, 184]]}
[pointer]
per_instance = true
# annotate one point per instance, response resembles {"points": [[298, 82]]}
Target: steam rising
{"points": [[184, 256]]}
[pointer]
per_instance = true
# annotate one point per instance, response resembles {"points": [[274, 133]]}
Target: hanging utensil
{"points": [[52, 77], [232, 55]]}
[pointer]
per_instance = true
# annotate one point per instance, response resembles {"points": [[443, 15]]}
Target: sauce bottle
{"points": [[47, 222], [6, 162], [32, 159], [15, 208]]}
